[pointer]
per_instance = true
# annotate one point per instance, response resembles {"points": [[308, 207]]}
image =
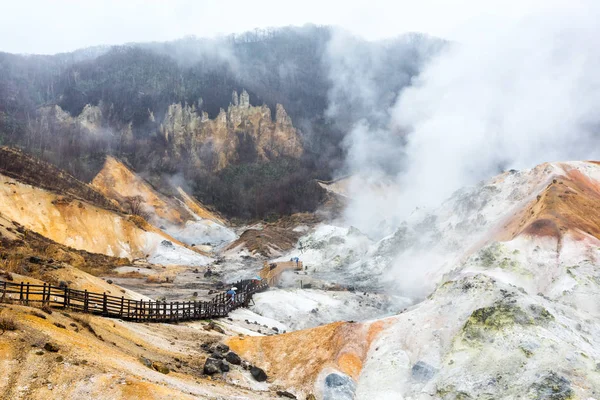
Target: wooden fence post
{"points": [[122, 303], [66, 299], [44, 294], [21, 293], [104, 305], [86, 301], [27, 295]]}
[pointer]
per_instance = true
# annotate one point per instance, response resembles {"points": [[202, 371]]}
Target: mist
{"points": [[504, 98]]}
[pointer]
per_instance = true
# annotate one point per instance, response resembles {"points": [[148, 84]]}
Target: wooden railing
{"points": [[127, 309], [271, 272]]}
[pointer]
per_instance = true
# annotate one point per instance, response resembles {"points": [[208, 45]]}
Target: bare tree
{"points": [[135, 206]]}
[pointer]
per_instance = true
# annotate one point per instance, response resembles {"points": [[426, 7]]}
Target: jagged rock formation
{"points": [[242, 133], [89, 123]]}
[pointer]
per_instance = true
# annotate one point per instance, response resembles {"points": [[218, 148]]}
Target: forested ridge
{"points": [[48, 103]]}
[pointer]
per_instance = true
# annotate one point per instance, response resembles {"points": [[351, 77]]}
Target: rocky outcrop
{"points": [[89, 120], [118, 182], [242, 133]]}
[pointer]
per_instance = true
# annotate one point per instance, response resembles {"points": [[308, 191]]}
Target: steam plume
{"points": [[508, 98]]}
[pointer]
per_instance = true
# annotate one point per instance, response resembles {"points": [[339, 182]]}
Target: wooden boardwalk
{"points": [[126, 309], [271, 272]]}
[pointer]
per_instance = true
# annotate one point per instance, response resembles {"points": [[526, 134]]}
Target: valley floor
{"points": [[494, 294]]}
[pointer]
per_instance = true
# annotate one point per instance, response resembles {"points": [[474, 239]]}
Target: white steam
{"points": [[509, 98]]}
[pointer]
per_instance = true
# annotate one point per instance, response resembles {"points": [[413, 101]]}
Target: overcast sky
{"points": [[46, 26]]}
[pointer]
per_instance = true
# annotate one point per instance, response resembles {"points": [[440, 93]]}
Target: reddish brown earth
{"points": [[566, 204]]}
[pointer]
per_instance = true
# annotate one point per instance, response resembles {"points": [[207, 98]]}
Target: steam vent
{"points": [[304, 212]]}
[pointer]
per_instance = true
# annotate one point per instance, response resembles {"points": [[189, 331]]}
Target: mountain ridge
{"points": [[287, 73]]}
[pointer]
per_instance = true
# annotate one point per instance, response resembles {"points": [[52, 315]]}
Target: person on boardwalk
{"points": [[231, 294]]}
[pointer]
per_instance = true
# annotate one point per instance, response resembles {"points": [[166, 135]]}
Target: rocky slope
{"points": [[83, 226], [74, 356], [493, 294], [73, 214], [505, 293], [119, 183], [183, 217], [33, 171]]}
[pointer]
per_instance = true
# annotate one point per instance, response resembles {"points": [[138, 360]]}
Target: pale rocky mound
{"points": [[90, 118], [184, 218], [241, 132], [506, 292]]}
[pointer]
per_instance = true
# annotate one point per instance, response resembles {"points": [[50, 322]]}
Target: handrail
{"points": [[127, 309], [271, 272]]}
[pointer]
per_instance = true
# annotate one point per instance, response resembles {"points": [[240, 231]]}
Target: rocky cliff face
{"points": [[243, 133], [89, 121]]}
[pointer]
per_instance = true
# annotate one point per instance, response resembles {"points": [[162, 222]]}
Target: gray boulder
{"points": [[423, 372], [212, 366], [233, 358], [224, 366], [258, 374], [222, 348], [338, 387]]}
